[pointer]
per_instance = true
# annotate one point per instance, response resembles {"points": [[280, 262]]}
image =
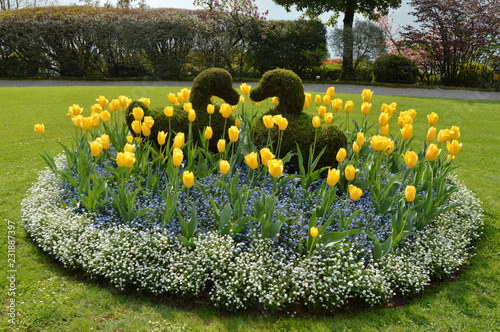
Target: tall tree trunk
{"points": [[347, 39]]}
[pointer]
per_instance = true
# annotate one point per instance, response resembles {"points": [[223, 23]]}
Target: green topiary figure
{"points": [[211, 82], [287, 86]]}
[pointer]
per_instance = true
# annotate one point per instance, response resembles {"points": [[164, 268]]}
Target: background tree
{"points": [[455, 35], [372, 9]]}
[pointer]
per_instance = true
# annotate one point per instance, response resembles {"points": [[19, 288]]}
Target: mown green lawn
{"points": [[51, 298]]}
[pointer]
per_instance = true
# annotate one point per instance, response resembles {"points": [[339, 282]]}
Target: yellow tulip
{"points": [[125, 159], [177, 156], [96, 148], [431, 134], [355, 147], [145, 101], [224, 166], [283, 124], [114, 105], [360, 138], [95, 119], [149, 121], [128, 148], [225, 110], [40, 128], [432, 152], [245, 88], [187, 107], [407, 131], [410, 193], [384, 130], [102, 101], [365, 108], [333, 177], [268, 121], [336, 104], [341, 154], [221, 145], [314, 231], [186, 93], [330, 91], [275, 101], [432, 118], [130, 138], [306, 103], [162, 137], [350, 172], [454, 133], [237, 123], [411, 158], [265, 156], [96, 108], [136, 126], [180, 97], [124, 102], [210, 108], [453, 147], [327, 99], [444, 135], [275, 167], [105, 141], [191, 115], [242, 100], [208, 132], [234, 133], [355, 192], [307, 96], [366, 94], [411, 112], [86, 123], [390, 148], [179, 140], [251, 160], [277, 118], [317, 100], [383, 119], [328, 117], [105, 116], [188, 179], [380, 143], [349, 105], [172, 99], [169, 111], [316, 121], [321, 111]]}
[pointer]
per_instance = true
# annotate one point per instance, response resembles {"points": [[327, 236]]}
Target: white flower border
{"points": [[237, 279]]}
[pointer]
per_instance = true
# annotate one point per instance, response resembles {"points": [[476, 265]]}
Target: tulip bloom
{"points": [[314, 231], [341, 154], [350, 172], [453, 147], [191, 115], [86, 123], [266, 155], [162, 137], [383, 119], [169, 111], [179, 140], [96, 109], [95, 119], [355, 147], [321, 111], [177, 156], [333, 177], [365, 108], [125, 159], [431, 134], [237, 123], [172, 99], [360, 138], [138, 113], [317, 100], [187, 107], [410, 193], [105, 116], [40, 128], [432, 152], [268, 121], [283, 124], [186, 93], [128, 148], [366, 94], [149, 121], [411, 158], [331, 91], [96, 148], [188, 179], [102, 101], [444, 135], [316, 121], [146, 131], [180, 97], [328, 118], [275, 167], [208, 132], [210, 109], [432, 118], [380, 143], [355, 192], [146, 101], [454, 133], [349, 105], [327, 99], [225, 110], [105, 141], [251, 160], [407, 131], [221, 145], [384, 130], [245, 88], [224, 166], [337, 104], [234, 133], [275, 100]]}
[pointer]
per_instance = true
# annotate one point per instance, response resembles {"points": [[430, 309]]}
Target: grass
{"points": [[51, 298]]}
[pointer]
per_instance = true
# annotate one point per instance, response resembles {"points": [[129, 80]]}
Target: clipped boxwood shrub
{"points": [[393, 68]]}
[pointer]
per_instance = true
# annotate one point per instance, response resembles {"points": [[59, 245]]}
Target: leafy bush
{"points": [[393, 68], [474, 74]]}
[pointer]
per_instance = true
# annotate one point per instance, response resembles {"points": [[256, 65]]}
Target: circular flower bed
{"points": [[238, 229]]}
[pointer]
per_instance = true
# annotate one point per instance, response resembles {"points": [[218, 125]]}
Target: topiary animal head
{"points": [[213, 82], [285, 85]]}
